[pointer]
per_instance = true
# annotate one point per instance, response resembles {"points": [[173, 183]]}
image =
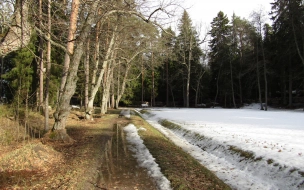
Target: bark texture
{"points": [[19, 33], [63, 107]]}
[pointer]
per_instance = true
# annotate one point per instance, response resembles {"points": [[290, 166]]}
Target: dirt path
{"points": [[94, 161], [99, 159]]}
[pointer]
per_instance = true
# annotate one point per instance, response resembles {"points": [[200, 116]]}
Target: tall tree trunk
{"points": [[94, 89], [41, 66], [106, 90], [167, 84], [48, 70], [217, 86], [300, 53], [265, 79], [153, 84], [70, 43], [240, 71], [189, 73], [232, 84], [142, 78], [118, 88], [197, 86], [96, 58], [284, 101], [290, 85], [63, 107], [87, 75], [173, 100], [112, 96], [258, 78], [240, 77], [121, 88]]}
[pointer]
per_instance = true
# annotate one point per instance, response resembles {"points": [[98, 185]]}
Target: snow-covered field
{"points": [[247, 148]]}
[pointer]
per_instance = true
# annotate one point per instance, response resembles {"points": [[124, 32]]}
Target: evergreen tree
{"points": [[219, 56], [288, 36], [188, 54]]}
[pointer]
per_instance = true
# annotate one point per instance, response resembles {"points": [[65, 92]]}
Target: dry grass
{"points": [[88, 164], [183, 171]]}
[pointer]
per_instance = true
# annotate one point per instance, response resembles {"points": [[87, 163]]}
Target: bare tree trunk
{"points": [[167, 84], [290, 85], [153, 83], [123, 86], [70, 43], [240, 71], [189, 73], [112, 96], [142, 78], [301, 55], [240, 89], [48, 70], [265, 79], [232, 84], [106, 90], [96, 57], [118, 88], [87, 75], [20, 30], [94, 90], [217, 86], [259, 84], [41, 67], [198, 85], [172, 97], [63, 107]]}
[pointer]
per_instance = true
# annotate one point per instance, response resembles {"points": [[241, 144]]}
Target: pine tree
{"points": [[219, 55], [188, 53]]}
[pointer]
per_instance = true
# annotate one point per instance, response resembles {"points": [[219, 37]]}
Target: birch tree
{"points": [[188, 43], [259, 21]]}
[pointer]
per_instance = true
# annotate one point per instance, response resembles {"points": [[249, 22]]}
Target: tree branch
{"points": [[52, 42]]}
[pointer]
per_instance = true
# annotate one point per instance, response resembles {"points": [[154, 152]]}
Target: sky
{"points": [[275, 138], [203, 11]]}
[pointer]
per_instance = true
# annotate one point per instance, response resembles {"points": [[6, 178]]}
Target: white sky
{"points": [[203, 11]]}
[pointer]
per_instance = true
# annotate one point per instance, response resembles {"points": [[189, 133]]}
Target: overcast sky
{"points": [[203, 11]]}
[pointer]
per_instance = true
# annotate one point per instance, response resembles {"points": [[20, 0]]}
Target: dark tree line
{"points": [[111, 54], [248, 61]]}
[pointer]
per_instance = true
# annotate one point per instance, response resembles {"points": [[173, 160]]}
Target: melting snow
{"points": [[144, 158], [273, 138]]}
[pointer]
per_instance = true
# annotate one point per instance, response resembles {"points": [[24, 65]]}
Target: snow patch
{"points": [[144, 158], [220, 138]]}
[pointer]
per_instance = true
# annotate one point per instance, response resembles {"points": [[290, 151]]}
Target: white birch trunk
{"points": [[94, 89]]}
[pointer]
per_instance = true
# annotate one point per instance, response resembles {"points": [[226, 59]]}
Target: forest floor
{"points": [[98, 159]]}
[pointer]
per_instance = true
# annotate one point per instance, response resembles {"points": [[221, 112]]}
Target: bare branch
{"points": [[52, 42]]}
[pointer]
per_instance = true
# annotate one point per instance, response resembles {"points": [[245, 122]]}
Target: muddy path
{"points": [[119, 169]]}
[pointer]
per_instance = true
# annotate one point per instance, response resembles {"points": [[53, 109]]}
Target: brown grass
{"points": [[183, 171], [98, 159]]}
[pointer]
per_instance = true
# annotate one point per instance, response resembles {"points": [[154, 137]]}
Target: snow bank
{"points": [[221, 138], [144, 158], [126, 113]]}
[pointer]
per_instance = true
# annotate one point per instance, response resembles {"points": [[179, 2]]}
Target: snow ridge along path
{"points": [[144, 158], [246, 148]]}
